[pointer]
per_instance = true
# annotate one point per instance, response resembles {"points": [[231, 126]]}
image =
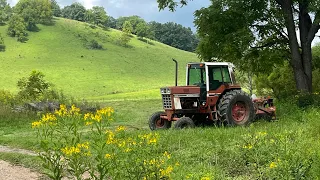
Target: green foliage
{"points": [[93, 44], [97, 15], [280, 81], [56, 10], [75, 11], [112, 22], [174, 35], [17, 28], [126, 33], [6, 97], [34, 12], [134, 21], [143, 30], [5, 11], [33, 87], [2, 45]]}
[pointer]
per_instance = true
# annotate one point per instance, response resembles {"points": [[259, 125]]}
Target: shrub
{"points": [[32, 87], [93, 44], [2, 46], [6, 97]]}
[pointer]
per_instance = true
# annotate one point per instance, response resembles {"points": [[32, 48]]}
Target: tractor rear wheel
{"points": [[184, 122], [155, 121], [236, 109]]}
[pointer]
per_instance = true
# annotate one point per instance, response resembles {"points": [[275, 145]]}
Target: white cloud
{"points": [[89, 3]]}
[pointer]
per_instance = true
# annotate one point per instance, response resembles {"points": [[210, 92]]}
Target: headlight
{"points": [[168, 91], [162, 91]]}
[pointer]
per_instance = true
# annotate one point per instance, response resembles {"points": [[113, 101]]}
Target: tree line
{"points": [[26, 14]]}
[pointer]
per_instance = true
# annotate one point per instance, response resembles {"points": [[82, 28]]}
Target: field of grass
{"points": [[59, 52], [285, 149]]}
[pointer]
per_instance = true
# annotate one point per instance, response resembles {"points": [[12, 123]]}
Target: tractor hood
{"points": [[181, 90]]}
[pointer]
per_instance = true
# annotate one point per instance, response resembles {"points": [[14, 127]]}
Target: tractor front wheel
{"points": [[236, 109], [184, 122], [155, 121]]}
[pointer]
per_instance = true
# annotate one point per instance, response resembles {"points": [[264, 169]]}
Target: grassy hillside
{"points": [[59, 52]]}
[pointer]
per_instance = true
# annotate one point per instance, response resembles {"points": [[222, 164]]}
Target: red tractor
{"points": [[211, 96]]}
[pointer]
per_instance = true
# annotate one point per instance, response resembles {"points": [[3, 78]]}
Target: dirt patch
{"points": [[16, 150], [13, 172]]}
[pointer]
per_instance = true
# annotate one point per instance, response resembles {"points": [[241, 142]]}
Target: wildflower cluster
{"points": [[103, 148], [78, 149], [102, 114], [47, 119]]}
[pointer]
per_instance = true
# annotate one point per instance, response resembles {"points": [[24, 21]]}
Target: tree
{"points": [[34, 12], [75, 11], [134, 21], [112, 22], [143, 30], [2, 46], [126, 33], [100, 17], [34, 86], [17, 28], [264, 30], [56, 10], [5, 11], [174, 35]]}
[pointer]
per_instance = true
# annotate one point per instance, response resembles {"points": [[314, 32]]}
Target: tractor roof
{"points": [[214, 63]]}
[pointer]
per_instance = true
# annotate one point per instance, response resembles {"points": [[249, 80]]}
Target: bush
{"points": [[305, 100], [6, 97], [93, 44], [33, 87], [2, 46]]}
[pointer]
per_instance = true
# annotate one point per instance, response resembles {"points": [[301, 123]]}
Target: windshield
{"points": [[197, 75]]}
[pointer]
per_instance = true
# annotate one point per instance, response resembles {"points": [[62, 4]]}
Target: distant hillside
{"points": [[59, 52]]}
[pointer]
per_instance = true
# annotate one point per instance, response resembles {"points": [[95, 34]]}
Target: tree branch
{"points": [[314, 28], [280, 2]]}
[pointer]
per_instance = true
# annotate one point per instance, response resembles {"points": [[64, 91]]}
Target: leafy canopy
{"points": [[34, 12]]}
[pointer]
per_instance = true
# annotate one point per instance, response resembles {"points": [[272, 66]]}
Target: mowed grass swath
{"points": [[59, 52]]}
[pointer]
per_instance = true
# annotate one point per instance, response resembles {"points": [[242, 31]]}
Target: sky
{"points": [[146, 9]]}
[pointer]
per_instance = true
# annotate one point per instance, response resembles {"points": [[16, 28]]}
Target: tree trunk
{"points": [[301, 63]]}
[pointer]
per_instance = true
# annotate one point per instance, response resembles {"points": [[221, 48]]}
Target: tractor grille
{"points": [[166, 101]]}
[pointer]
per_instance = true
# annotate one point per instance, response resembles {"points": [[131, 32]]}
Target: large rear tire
{"points": [[236, 109], [184, 122], [155, 121]]}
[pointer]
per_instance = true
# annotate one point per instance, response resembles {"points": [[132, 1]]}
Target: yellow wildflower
{"points": [[273, 165], [86, 116], [166, 154], [121, 128], [74, 110], [108, 156], [249, 146], [36, 124], [167, 171], [152, 140]]}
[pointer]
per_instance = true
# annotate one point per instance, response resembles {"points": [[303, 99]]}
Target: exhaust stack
{"points": [[176, 71]]}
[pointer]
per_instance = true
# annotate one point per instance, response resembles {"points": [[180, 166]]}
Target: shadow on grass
{"points": [[145, 41]]}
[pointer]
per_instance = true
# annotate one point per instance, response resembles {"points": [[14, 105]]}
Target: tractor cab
{"points": [[209, 76]]}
